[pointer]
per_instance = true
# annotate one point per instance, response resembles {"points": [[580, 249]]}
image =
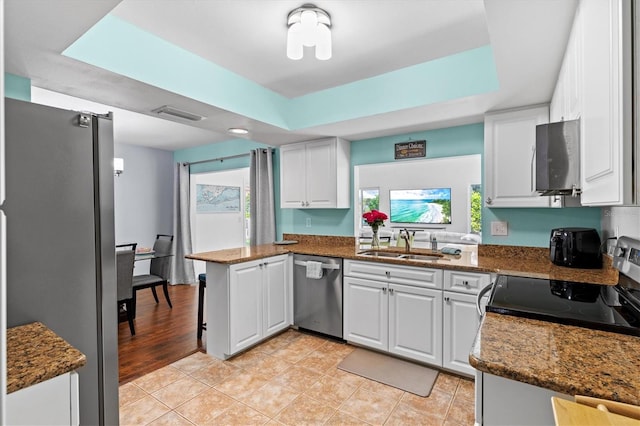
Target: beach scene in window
{"points": [[217, 198], [421, 205]]}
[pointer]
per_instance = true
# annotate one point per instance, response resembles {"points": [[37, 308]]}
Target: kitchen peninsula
{"points": [[566, 359]]}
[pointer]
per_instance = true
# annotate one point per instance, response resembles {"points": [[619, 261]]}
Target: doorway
{"points": [[219, 211]]}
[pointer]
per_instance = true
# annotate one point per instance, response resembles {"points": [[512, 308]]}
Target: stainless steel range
{"points": [[613, 308]]}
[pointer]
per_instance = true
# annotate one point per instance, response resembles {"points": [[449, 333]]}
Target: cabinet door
{"points": [[606, 122], [510, 143], [46, 403], [366, 313], [415, 323], [293, 176], [245, 305], [275, 297], [461, 323], [321, 173]]}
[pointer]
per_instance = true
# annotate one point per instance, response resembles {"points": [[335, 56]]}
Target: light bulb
{"points": [[294, 42], [309, 22], [323, 43]]}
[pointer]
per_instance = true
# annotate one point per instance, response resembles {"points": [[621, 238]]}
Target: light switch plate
{"points": [[499, 228]]}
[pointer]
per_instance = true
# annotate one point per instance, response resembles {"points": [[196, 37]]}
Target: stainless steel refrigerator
{"points": [[60, 256]]}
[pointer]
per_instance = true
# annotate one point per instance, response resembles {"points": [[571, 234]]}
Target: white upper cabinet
{"points": [[315, 174], [605, 133], [566, 100], [510, 155]]}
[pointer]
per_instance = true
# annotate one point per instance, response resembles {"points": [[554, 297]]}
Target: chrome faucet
{"points": [[407, 239]]}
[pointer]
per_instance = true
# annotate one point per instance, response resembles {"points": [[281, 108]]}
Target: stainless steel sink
{"points": [[404, 256], [380, 253], [422, 257]]}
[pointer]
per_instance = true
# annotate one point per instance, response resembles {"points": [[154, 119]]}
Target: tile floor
{"points": [[291, 379]]}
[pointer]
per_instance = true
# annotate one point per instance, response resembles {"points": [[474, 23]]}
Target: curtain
{"points": [[182, 271], [263, 222]]}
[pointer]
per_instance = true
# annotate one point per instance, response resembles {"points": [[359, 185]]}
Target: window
{"points": [[369, 200], [475, 221]]}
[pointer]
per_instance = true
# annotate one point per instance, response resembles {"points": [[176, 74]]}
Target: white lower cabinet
{"points": [[415, 319], [409, 306], [247, 302], [403, 319], [460, 317], [460, 326], [52, 402], [505, 402]]}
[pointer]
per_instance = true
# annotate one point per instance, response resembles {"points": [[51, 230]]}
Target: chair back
{"points": [[161, 266], [124, 268]]}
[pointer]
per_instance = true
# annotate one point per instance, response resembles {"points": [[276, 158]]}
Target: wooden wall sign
{"points": [[410, 149]]}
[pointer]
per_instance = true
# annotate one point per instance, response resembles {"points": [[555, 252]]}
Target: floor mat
{"points": [[401, 374]]}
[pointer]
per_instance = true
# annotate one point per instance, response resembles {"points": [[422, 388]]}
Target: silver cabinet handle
{"points": [[384, 290], [479, 297], [302, 203], [533, 170], [465, 283], [489, 200], [388, 274], [446, 299], [390, 291]]}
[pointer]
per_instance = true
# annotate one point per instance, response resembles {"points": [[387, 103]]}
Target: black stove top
{"points": [[604, 307]]}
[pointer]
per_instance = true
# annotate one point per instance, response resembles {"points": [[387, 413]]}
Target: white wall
{"points": [[217, 231], [457, 173], [143, 196], [621, 221]]}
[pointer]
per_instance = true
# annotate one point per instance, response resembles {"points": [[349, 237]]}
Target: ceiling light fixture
{"points": [[237, 131], [169, 110], [308, 26]]}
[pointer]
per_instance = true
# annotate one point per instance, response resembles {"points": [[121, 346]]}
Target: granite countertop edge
{"points": [[36, 354], [567, 359], [509, 260]]}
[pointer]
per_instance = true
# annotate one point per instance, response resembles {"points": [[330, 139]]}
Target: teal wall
{"points": [[528, 227], [17, 87]]}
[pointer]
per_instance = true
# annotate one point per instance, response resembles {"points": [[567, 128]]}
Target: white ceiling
{"points": [[247, 37]]}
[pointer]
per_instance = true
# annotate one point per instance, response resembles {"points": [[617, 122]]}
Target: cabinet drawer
{"points": [[465, 282], [410, 275]]}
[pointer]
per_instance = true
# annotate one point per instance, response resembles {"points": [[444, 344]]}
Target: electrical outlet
{"points": [[499, 228], [308, 222]]}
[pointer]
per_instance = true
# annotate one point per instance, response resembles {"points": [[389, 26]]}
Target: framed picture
{"points": [[217, 199]]}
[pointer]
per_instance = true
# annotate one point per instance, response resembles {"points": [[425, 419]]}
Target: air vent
{"points": [[175, 112]]}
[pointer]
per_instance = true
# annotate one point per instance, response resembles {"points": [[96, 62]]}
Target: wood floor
{"points": [[163, 335]]}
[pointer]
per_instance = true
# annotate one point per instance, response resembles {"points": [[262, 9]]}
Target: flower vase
{"points": [[375, 241]]}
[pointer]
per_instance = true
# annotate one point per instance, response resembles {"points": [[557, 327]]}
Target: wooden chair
{"points": [[158, 271], [125, 257]]}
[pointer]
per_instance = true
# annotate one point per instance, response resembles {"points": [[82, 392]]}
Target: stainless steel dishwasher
{"points": [[317, 302]]}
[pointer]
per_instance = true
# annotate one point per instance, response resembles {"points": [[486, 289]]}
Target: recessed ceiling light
{"points": [[237, 131]]}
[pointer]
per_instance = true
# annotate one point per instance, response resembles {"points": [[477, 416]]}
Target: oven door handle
{"points": [[481, 293]]}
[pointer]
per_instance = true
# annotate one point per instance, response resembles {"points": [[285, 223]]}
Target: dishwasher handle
{"points": [[324, 265], [481, 293]]}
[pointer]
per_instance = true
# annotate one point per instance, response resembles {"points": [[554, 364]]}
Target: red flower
{"points": [[375, 218]]}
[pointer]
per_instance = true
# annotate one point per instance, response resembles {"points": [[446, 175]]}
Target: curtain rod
{"points": [[221, 159]]}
